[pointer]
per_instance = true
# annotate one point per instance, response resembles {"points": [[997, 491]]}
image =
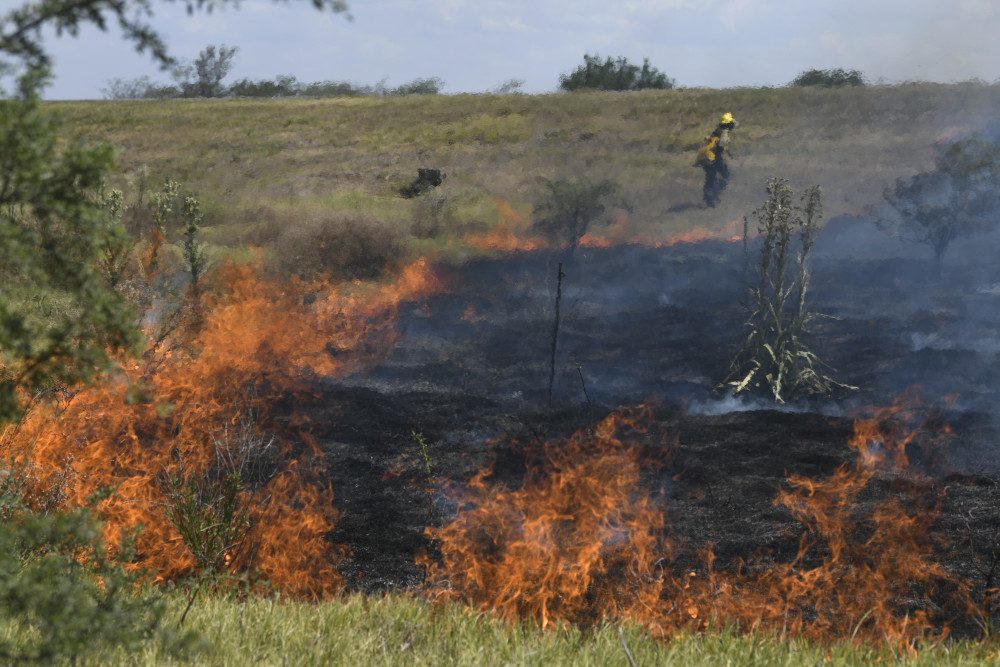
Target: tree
{"points": [[204, 77], [614, 74], [829, 78], [60, 321], [961, 196]]}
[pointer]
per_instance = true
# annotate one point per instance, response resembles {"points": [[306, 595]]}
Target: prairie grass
{"points": [[401, 630], [310, 157]]}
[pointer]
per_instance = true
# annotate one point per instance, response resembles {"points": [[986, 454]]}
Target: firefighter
{"points": [[712, 158]]}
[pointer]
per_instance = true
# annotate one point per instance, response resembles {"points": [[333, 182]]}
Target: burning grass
{"points": [[583, 540], [170, 414]]}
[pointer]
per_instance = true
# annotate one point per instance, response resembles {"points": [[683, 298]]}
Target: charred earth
{"points": [[467, 385]]}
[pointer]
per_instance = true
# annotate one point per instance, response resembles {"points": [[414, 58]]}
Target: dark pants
{"points": [[716, 179]]}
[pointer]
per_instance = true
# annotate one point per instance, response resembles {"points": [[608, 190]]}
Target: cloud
{"points": [[511, 24]]}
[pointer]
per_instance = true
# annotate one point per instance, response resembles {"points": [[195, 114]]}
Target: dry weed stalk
{"points": [[774, 359]]}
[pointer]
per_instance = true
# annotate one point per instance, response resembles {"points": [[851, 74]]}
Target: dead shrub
{"points": [[340, 245]]}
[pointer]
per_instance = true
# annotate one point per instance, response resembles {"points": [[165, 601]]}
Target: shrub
{"points": [[426, 180], [958, 198], [614, 74], [340, 245], [62, 593], [283, 85], [569, 207], [428, 86], [829, 78]]}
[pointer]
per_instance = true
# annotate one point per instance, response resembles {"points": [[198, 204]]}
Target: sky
{"points": [[476, 46]]}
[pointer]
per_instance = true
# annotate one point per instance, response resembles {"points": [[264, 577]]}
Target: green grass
{"points": [[304, 157], [400, 630]]}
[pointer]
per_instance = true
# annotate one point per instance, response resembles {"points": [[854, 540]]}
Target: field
{"points": [[424, 398], [258, 160]]}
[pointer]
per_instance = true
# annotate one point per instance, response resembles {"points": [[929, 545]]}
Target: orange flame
{"points": [[579, 542], [259, 339], [509, 235], [569, 546]]}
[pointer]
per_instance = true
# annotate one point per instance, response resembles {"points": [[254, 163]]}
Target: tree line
{"points": [[204, 78]]}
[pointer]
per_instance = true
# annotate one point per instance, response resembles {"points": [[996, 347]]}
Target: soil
{"points": [[471, 376]]}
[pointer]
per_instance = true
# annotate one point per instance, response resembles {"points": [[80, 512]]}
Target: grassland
{"points": [[399, 630], [262, 165], [280, 161]]}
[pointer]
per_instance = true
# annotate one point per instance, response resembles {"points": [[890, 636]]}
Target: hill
{"points": [[276, 162]]}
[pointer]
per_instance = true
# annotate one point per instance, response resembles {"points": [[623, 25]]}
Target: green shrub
{"points": [[340, 245], [62, 594], [283, 85], [614, 74], [829, 78]]}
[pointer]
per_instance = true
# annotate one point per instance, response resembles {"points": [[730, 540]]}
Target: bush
{"points": [[829, 78], [283, 85], [428, 86], [340, 245], [569, 207], [957, 199], [617, 74], [62, 594]]}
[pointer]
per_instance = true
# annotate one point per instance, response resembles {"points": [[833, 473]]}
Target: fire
{"points": [[180, 409], [570, 546], [621, 234], [509, 235], [580, 542]]}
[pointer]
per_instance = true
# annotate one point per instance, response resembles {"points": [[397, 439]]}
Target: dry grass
{"points": [[305, 158]]}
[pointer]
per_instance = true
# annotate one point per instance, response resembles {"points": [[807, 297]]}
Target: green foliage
{"points": [[829, 78], [203, 78], [775, 360], [570, 206], [283, 85], [54, 237], [211, 518], [210, 508], [65, 595], [961, 196], [427, 86], [614, 74], [194, 254], [117, 245]]}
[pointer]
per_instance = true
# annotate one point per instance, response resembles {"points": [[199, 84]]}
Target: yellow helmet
{"points": [[727, 118]]}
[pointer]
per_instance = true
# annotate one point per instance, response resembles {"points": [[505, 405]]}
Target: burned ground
{"points": [[469, 375]]}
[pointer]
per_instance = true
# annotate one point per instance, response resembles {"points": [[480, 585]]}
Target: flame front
{"points": [[573, 544], [580, 541], [180, 406]]}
